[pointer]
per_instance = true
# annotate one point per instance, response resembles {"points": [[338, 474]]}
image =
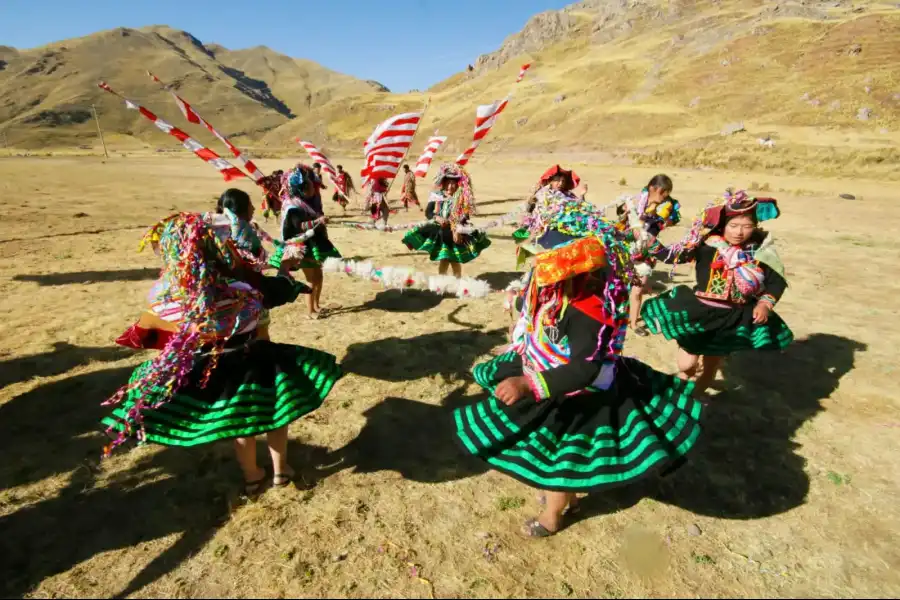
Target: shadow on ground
{"points": [[52, 279], [415, 439], [446, 353], [396, 301], [63, 358], [746, 465], [55, 430]]}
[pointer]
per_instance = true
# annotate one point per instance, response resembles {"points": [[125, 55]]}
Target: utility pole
{"points": [[6, 143], [99, 131]]}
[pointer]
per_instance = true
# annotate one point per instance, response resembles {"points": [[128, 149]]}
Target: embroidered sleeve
{"points": [[585, 363], [775, 285], [538, 385]]}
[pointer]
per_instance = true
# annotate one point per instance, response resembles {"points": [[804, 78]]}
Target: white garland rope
{"points": [[404, 278]]}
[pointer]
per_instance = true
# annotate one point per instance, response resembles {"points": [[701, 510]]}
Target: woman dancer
{"points": [[214, 379], [376, 200], [271, 185], [445, 239], [739, 280], [302, 211], [653, 211], [567, 413], [554, 180]]}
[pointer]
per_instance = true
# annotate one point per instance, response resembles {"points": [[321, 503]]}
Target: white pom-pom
{"points": [[332, 265]]}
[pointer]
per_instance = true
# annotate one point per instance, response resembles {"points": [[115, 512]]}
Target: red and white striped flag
{"points": [[430, 149], [191, 115], [388, 144], [317, 156], [228, 170], [524, 68], [485, 117]]}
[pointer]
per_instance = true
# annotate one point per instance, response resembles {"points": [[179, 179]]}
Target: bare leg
{"points": [[314, 278], [687, 364], [637, 297], [277, 441], [707, 375], [245, 449], [443, 267], [457, 269]]}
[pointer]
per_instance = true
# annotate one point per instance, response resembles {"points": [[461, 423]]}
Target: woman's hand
{"points": [[761, 312], [512, 390], [457, 238], [440, 221], [323, 220]]}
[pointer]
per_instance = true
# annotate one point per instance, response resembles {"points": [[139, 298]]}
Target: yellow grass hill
{"points": [[46, 93], [744, 84]]}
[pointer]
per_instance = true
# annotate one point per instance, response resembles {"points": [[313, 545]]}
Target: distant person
{"points": [[408, 192], [448, 237], [653, 211], [343, 185], [376, 200]]}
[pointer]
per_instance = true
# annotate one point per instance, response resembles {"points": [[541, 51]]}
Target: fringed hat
{"points": [[740, 203], [451, 171]]}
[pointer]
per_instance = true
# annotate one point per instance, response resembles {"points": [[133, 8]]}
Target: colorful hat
{"points": [[450, 171], [558, 170], [740, 203]]}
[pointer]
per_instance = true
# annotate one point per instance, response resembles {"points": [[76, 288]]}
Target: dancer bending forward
{"points": [[566, 412], [214, 379]]}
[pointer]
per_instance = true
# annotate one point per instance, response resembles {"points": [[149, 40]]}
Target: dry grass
{"points": [[794, 487]]}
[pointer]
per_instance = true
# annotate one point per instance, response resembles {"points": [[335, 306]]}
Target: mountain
{"points": [[46, 93], [684, 82], [679, 82]]}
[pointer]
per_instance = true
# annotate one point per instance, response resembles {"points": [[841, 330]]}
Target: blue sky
{"points": [[409, 44]]}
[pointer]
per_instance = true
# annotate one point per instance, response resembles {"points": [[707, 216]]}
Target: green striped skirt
{"points": [[438, 242], [705, 330], [645, 423], [317, 250], [253, 390]]}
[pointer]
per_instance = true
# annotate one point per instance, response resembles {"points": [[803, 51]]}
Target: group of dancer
{"points": [[564, 410]]}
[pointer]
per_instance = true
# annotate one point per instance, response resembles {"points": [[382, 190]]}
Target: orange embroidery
{"points": [[582, 256]]}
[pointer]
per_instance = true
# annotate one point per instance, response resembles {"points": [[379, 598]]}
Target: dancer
{"points": [[302, 211], [653, 211], [554, 179], [271, 185], [450, 205], [567, 413], [214, 379], [408, 192], [320, 183], [343, 185], [376, 200], [739, 280]]}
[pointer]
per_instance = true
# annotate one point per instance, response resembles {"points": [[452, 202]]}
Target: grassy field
{"points": [[792, 492]]}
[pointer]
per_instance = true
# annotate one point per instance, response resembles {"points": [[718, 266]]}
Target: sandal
{"points": [[254, 488], [641, 331], [533, 529], [281, 480]]}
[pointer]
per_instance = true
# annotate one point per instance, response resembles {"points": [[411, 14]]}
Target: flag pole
{"points": [[405, 154]]}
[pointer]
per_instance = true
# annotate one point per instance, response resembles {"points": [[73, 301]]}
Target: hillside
{"points": [[46, 93], [682, 82], [664, 80]]}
